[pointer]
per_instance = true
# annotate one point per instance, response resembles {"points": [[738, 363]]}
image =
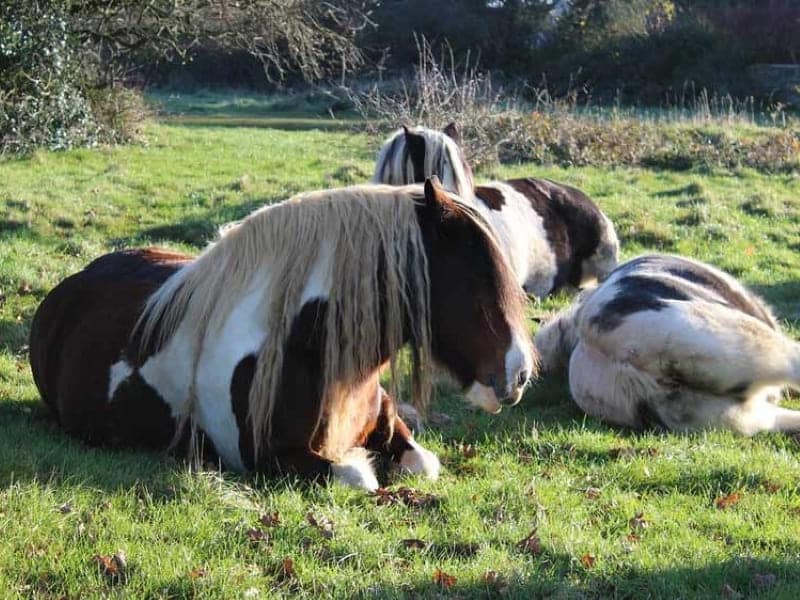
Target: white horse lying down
{"points": [[672, 342]]}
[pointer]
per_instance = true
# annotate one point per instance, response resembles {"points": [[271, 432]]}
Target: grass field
{"points": [[601, 513]]}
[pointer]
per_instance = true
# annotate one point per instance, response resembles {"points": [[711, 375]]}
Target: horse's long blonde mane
{"points": [[443, 158], [356, 229]]}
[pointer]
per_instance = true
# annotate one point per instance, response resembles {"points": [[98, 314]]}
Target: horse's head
{"points": [[413, 154], [477, 322]]}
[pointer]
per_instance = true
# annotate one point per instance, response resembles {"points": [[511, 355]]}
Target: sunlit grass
{"points": [[541, 465]]}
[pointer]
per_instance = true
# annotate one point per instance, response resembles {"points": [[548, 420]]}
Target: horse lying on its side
{"points": [[269, 345], [554, 236], [671, 342]]}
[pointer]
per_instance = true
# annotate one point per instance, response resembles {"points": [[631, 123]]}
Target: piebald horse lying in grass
{"points": [[670, 342], [554, 235], [269, 345]]}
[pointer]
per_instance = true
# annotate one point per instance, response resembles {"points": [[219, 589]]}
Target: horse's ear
{"points": [[435, 197], [451, 130]]}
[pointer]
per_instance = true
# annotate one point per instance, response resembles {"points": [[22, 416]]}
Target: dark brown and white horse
{"points": [[671, 342], [269, 344], [554, 236]]}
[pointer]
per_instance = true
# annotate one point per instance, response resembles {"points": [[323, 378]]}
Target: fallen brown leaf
{"points": [[406, 496], [114, 568], [467, 450], [770, 486], [24, 288], [286, 570], [728, 501], [531, 544], [415, 544], [625, 452], [256, 536], [322, 524], [632, 538], [592, 493], [443, 579], [65, 508], [198, 573], [588, 560], [272, 519], [638, 522]]}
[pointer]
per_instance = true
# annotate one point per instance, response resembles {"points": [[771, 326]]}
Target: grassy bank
{"points": [[615, 514]]}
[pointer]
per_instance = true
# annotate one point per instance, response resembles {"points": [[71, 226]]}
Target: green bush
{"points": [[47, 96], [41, 100]]}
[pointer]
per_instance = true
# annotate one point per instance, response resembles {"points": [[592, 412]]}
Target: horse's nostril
{"points": [[522, 378]]}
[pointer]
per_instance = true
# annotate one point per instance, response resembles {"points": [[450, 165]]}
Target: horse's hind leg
{"points": [[397, 442]]}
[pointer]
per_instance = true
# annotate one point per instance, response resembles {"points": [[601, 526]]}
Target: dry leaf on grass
{"points": [[592, 493], [728, 501], [406, 496], [257, 536], [271, 519], [114, 568], [198, 573], [65, 508], [443, 579], [638, 522], [414, 544], [531, 544], [322, 524], [588, 560]]}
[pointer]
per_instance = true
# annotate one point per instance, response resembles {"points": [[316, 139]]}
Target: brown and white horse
{"points": [[554, 236], [671, 342], [269, 344]]}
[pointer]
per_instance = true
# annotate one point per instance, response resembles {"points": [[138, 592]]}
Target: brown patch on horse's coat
{"points": [[82, 328], [573, 224], [490, 196]]}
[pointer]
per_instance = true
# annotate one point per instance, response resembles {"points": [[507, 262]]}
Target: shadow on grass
{"points": [[784, 297], [194, 230]]}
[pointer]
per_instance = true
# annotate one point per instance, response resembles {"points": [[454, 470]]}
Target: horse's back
{"points": [[83, 325]]}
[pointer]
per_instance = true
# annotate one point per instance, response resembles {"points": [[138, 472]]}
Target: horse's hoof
{"points": [[420, 460], [355, 470]]}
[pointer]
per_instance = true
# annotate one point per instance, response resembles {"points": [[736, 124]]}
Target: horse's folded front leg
{"points": [[398, 443], [353, 468]]}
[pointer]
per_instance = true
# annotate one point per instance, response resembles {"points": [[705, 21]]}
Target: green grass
{"points": [[186, 534]]}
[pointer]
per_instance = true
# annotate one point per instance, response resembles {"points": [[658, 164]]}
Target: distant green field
{"points": [[615, 514]]}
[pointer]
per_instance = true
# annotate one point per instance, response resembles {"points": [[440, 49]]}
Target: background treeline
{"points": [[71, 71], [633, 51]]}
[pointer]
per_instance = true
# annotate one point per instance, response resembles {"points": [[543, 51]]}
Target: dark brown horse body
{"points": [[105, 389]]}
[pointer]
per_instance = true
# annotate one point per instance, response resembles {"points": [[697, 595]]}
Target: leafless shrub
{"points": [[697, 129]]}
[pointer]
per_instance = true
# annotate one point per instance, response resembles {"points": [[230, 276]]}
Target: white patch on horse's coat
{"points": [[241, 336], [420, 460], [483, 397], [118, 373], [522, 236], [169, 371], [519, 360], [319, 279], [355, 469]]}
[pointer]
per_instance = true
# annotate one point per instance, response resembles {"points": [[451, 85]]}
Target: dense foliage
{"points": [[41, 99]]}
